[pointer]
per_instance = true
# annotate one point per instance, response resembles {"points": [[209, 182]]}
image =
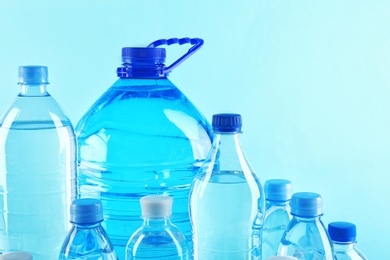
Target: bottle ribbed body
{"points": [[37, 169], [226, 204], [142, 137]]}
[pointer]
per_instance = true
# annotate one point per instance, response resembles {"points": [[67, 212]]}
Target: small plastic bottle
{"points": [[87, 239], [16, 256], [305, 236], [157, 238], [343, 235], [277, 215], [226, 198]]}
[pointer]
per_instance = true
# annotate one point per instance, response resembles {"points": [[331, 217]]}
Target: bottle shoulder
{"points": [[34, 112]]}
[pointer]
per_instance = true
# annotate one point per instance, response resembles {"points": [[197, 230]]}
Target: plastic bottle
{"points": [[16, 256], [37, 169], [226, 198], [141, 137], [277, 215], [87, 239], [343, 235], [305, 236], [157, 238]]}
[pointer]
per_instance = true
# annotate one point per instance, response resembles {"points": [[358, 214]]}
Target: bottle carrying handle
{"points": [[197, 42]]}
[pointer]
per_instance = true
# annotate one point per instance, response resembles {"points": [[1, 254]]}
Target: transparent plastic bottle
{"points": [[141, 137], [277, 215], [226, 198], [157, 238], [87, 239], [37, 169], [305, 236], [343, 235]]}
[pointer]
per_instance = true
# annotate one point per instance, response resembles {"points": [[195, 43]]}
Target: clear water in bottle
{"points": [[37, 153], [142, 137]]}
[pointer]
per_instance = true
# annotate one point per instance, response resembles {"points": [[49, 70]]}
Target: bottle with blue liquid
{"points": [[157, 238], [305, 236], [87, 239], [226, 198], [37, 169], [143, 136], [277, 215], [343, 235]]}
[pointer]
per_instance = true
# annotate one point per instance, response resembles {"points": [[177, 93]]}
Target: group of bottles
{"points": [[142, 146]]}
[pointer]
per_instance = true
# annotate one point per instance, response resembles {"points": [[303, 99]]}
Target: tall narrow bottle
{"points": [[305, 236], [37, 168], [143, 136], [343, 235], [277, 215], [226, 198], [157, 238], [87, 239]]}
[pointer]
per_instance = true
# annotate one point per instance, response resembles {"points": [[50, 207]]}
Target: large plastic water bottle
{"points": [[277, 215], [226, 198], [141, 137], [157, 238], [37, 168], [343, 235], [87, 239], [305, 236]]}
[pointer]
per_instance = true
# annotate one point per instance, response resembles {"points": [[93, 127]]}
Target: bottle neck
{"points": [[156, 222], [307, 219], [277, 203], [87, 226], [229, 152], [343, 246], [35, 90]]}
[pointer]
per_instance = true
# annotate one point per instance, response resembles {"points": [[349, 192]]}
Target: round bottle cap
{"points": [[306, 204], [143, 56], [342, 231], [16, 256], [227, 123], [278, 189], [156, 206], [86, 211], [33, 75]]}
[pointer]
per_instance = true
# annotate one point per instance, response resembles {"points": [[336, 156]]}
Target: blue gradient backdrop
{"points": [[311, 79]]}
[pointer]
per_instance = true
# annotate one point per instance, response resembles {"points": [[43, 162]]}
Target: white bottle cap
{"points": [[282, 258], [16, 256], [156, 206]]}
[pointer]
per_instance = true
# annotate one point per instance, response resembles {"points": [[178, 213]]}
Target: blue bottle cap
{"points": [[227, 123], [342, 231], [278, 189], [33, 75], [86, 211], [143, 56], [306, 204]]}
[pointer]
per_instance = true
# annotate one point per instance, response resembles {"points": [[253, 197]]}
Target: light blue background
{"points": [[311, 79]]}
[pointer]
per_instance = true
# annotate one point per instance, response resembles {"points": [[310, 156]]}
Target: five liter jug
{"points": [[226, 199], [37, 167], [141, 137]]}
